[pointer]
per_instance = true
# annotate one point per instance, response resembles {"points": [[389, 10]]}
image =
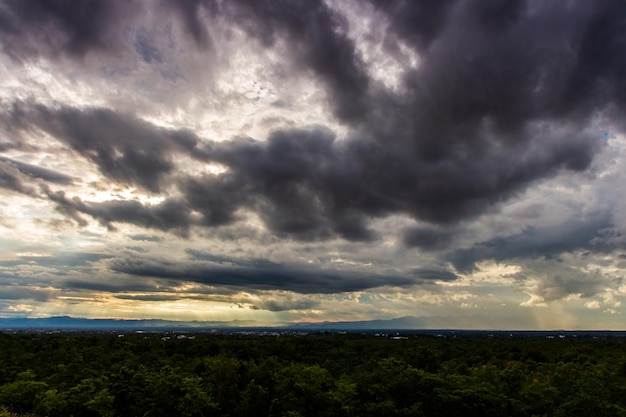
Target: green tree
{"points": [[20, 396], [305, 390], [51, 404], [91, 397]]}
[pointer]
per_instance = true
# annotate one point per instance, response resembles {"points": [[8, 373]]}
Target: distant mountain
{"points": [[426, 324], [401, 323], [71, 323], [398, 323], [65, 322]]}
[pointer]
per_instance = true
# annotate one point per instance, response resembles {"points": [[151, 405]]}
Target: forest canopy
{"points": [[74, 374]]}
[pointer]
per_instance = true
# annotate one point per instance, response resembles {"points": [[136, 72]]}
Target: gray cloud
{"points": [[197, 255], [41, 273], [34, 27], [300, 181], [418, 22], [146, 238], [429, 274], [190, 13], [318, 41], [72, 259], [283, 301], [260, 275], [151, 297], [145, 47], [499, 101], [555, 285], [21, 177], [11, 178], [548, 280], [170, 215], [124, 148], [286, 302], [112, 286], [34, 171], [549, 241], [429, 238], [306, 184], [24, 293], [491, 109]]}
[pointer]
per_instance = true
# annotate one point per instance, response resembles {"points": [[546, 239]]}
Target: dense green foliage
{"points": [[318, 375]]}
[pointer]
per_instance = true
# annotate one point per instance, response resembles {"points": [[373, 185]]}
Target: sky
{"points": [[459, 161]]}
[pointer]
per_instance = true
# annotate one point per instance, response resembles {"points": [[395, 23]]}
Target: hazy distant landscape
{"points": [[408, 325], [66, 322]]}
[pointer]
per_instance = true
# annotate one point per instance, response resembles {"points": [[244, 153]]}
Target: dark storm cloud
{"points": [[428, 238], [112, 286], [12, 179], [125, 149], [297, 181], [505, 94], [317, 35], [66, 206], [495, 105], [504, 65], [231, 261], [24, 293], [259, 275], [428, 274], [18, 176], [306, 184], [38, 172], [548, 242], [190, 12], [601, 63], [170, 215], [318, 41], [50, 27], [418, 22]]}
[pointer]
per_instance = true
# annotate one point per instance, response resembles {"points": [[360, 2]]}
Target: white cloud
{"points": [[593, 305]]}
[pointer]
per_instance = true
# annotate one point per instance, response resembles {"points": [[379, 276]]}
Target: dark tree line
{"points": [[318, 375]]}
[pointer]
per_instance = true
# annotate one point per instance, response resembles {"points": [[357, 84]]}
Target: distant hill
{"points": [[398, 323], [72, 323], [426, 324], [66, 322]]}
